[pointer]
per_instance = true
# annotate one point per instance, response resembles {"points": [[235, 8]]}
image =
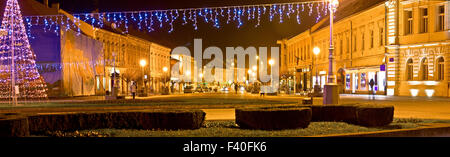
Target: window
{"points": [[354, 43], [348, 46], [381, 36], [371, 39], [424, 20], [440, 68], [362, 42], [424, 69], [409, 69], [408, 22], [441, 18]]}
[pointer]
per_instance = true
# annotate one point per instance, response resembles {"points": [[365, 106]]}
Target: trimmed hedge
{"points": [[20, 126], [372, 116], [273, 118], [146, 120], [13, 125], [368, 115]]}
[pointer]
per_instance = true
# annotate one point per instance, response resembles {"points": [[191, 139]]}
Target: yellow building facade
{"points": [[402, 45]]}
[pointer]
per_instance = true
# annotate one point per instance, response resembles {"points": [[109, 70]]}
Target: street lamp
{"points": [[143, 63], [316, 52], [331, 90], [165, 69]]}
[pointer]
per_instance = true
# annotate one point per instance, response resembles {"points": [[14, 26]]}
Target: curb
{"points": [[427, 130]]}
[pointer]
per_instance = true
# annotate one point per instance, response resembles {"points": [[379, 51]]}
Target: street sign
{"points": [[382, 67]]}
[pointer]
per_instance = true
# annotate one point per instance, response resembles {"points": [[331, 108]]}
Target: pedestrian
{"points": [[235, 88], [371, 84], [133, 90]]}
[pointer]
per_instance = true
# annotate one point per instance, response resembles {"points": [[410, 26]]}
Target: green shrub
{"points": [[147, 120], [374, 116], [273, 118]]}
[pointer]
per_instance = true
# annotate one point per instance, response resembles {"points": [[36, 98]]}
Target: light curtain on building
{"points": [[82, 59]]}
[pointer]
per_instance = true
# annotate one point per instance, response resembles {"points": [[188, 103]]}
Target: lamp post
{"points": [[316, 52], [271, 63], [165, 69], [331, 90], [143, 63]]}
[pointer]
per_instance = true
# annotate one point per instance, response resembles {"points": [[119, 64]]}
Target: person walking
{"points": [[133, 90], [372, 84], [235, 88]]}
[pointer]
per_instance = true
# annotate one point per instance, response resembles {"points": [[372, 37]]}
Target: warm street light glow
{"points": [[316, 50], [255, 68], [253, 74], [201, 75], [334, 4], [165, 69], [143, 62], [188, 72], [257, 57], [271, 62]]}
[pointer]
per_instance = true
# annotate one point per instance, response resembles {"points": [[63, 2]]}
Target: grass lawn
{"points": [[230, 129]]}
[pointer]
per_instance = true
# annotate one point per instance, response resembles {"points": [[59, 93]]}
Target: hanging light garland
{"points": [[157, 19]]}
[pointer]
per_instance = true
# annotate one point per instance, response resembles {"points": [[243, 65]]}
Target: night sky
{"points": [[228, 35]]}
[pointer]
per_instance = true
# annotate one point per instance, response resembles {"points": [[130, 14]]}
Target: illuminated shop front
{"points": [[357, 80]]}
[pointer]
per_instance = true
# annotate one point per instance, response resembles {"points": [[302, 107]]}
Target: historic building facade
{"points": [[403, 46], [124, 53]]}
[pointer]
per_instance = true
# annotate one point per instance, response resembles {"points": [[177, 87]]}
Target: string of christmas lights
{"points": [[17, 61], [153, 20]]}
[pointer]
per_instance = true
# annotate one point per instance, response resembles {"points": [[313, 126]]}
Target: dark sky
{"points": [[227, 35]]}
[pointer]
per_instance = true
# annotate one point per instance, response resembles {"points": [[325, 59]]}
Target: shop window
{"points": [[440, 69], [424, 20], [424, 69], [441, 18], [347, 81], [363, 81], [409, 69], [408, 22]]}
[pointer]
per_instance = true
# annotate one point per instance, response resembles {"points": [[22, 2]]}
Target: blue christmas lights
{"points": [[166, 19]]}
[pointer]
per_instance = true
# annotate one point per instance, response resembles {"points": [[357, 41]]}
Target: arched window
{"points": [[409, 69], [424, 69], [440, 68]]}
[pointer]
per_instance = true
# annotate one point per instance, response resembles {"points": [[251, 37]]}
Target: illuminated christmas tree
{"points": [[19, 77]]}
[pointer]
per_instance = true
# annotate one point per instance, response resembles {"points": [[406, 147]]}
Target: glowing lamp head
{"points": [[255, 68], [333, 4], [165, 69], [249, 71], [188, 72], [143, 63], [271, 62], [316, 51]]}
